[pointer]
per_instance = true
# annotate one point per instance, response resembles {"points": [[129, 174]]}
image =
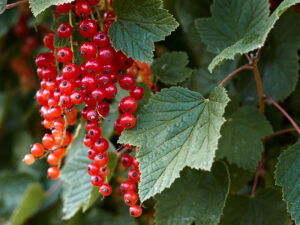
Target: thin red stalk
{"points": [[249, 67], [287, 130], [284, 113], [12, 5], [257, 173]]}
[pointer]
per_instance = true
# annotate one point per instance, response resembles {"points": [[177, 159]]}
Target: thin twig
{"points": [[71, 37], [244, 67], [12, 5], [257, 173], [276, 133], [284, 113]]}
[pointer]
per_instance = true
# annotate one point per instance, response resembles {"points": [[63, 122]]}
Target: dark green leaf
{"points": [[238, 27], [172, 68], [177, 128], [197, 196], [239, 177], [265, 209], [3, 4], [242, 134], [38, 6], [140, 23], [287, 176]]}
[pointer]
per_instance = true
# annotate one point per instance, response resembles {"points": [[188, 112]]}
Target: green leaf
{"points": [[287, 176], [279, 61], [58, 41], [172, 68], [238, 27], [145, 99], [242, 134], [38, 6], [198, 196], [32, 199], [78, 192], [266, 208], [177, 128], [12, 186], [239, 178], [3, 4], [140, 23]]}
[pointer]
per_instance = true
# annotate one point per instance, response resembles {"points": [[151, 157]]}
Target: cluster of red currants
{"points": [[91, 80]]}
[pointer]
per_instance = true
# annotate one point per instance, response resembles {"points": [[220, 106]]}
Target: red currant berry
{"points": [[93, 169], [64, 8], [70, 71], [104, 171], [59, 152], [101, 159], [118, 127], [106, 190], [97, 180], [91, 154], [49, 40], [92, 115], [88, 50], [44, 59], [101, 39], [89, 82], [65, 101], [110, 91], [127, 186], [135, 211], [137, 93], [93, 66], [106, 55], [104, 80], [94, 133], [53, 172], [127, 121], [29, 159], [90, 124], [88, 28], [82, 9], [101, 145], [77, 98], [127, 81], [128, 104], [64, 30], [48, 141], [130, 198], [103, 108], [37, 150], [53, 160], [108, 69], [64, 55], [127, 161], [67, 87], [136, 163], [134, 175], [98, 94]]}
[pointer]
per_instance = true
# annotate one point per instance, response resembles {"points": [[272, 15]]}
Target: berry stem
{"points": [[287, 130], [12, 5], [244, 67], [71, 37], [284, 113], [257, 173]]}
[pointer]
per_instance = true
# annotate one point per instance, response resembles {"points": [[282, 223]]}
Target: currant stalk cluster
{"points": [[90, 80]]}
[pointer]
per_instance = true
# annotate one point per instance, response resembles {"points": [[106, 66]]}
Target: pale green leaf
{"points": [[288, 177], [172, 68], [237, 27], [38, 6], [267, 208], [3, 4], [78, 192], [242, 134], [32, 199], [139, 24], [198, 196], [177, 128]]}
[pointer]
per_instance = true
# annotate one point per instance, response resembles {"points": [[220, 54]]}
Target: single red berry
{"points": [[93, 169], [114, 78], [64, 8], [88, 28], [37, 150], [110, 91], [87, 141], [94, 133], [134, 175], [88, 50], [82, 9], [101, 159], [128, 104], [90, 124], [137, 92], [110, 15], [67, 87], [136, 163], [106, 55], [92, 115], [127, 161], [48, 40], [53, 172], [29, 159], [48, 141], [101, 145], [108, 24], [70, 71], [104, 80], [65, 101], [105, 190], [118, 127], [104, 171], [59, 152], [53, 160], [64, 55], [91, 153], [89, 82], [103, 108], [93, 66], [77, 98], [130, 198], [135, 211], [97, 180], [109, 69], [90, 101], [98, 94], [127, 186], [64, 30], [127, 81], [127, 121], [101, 39], [44, 59]]}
